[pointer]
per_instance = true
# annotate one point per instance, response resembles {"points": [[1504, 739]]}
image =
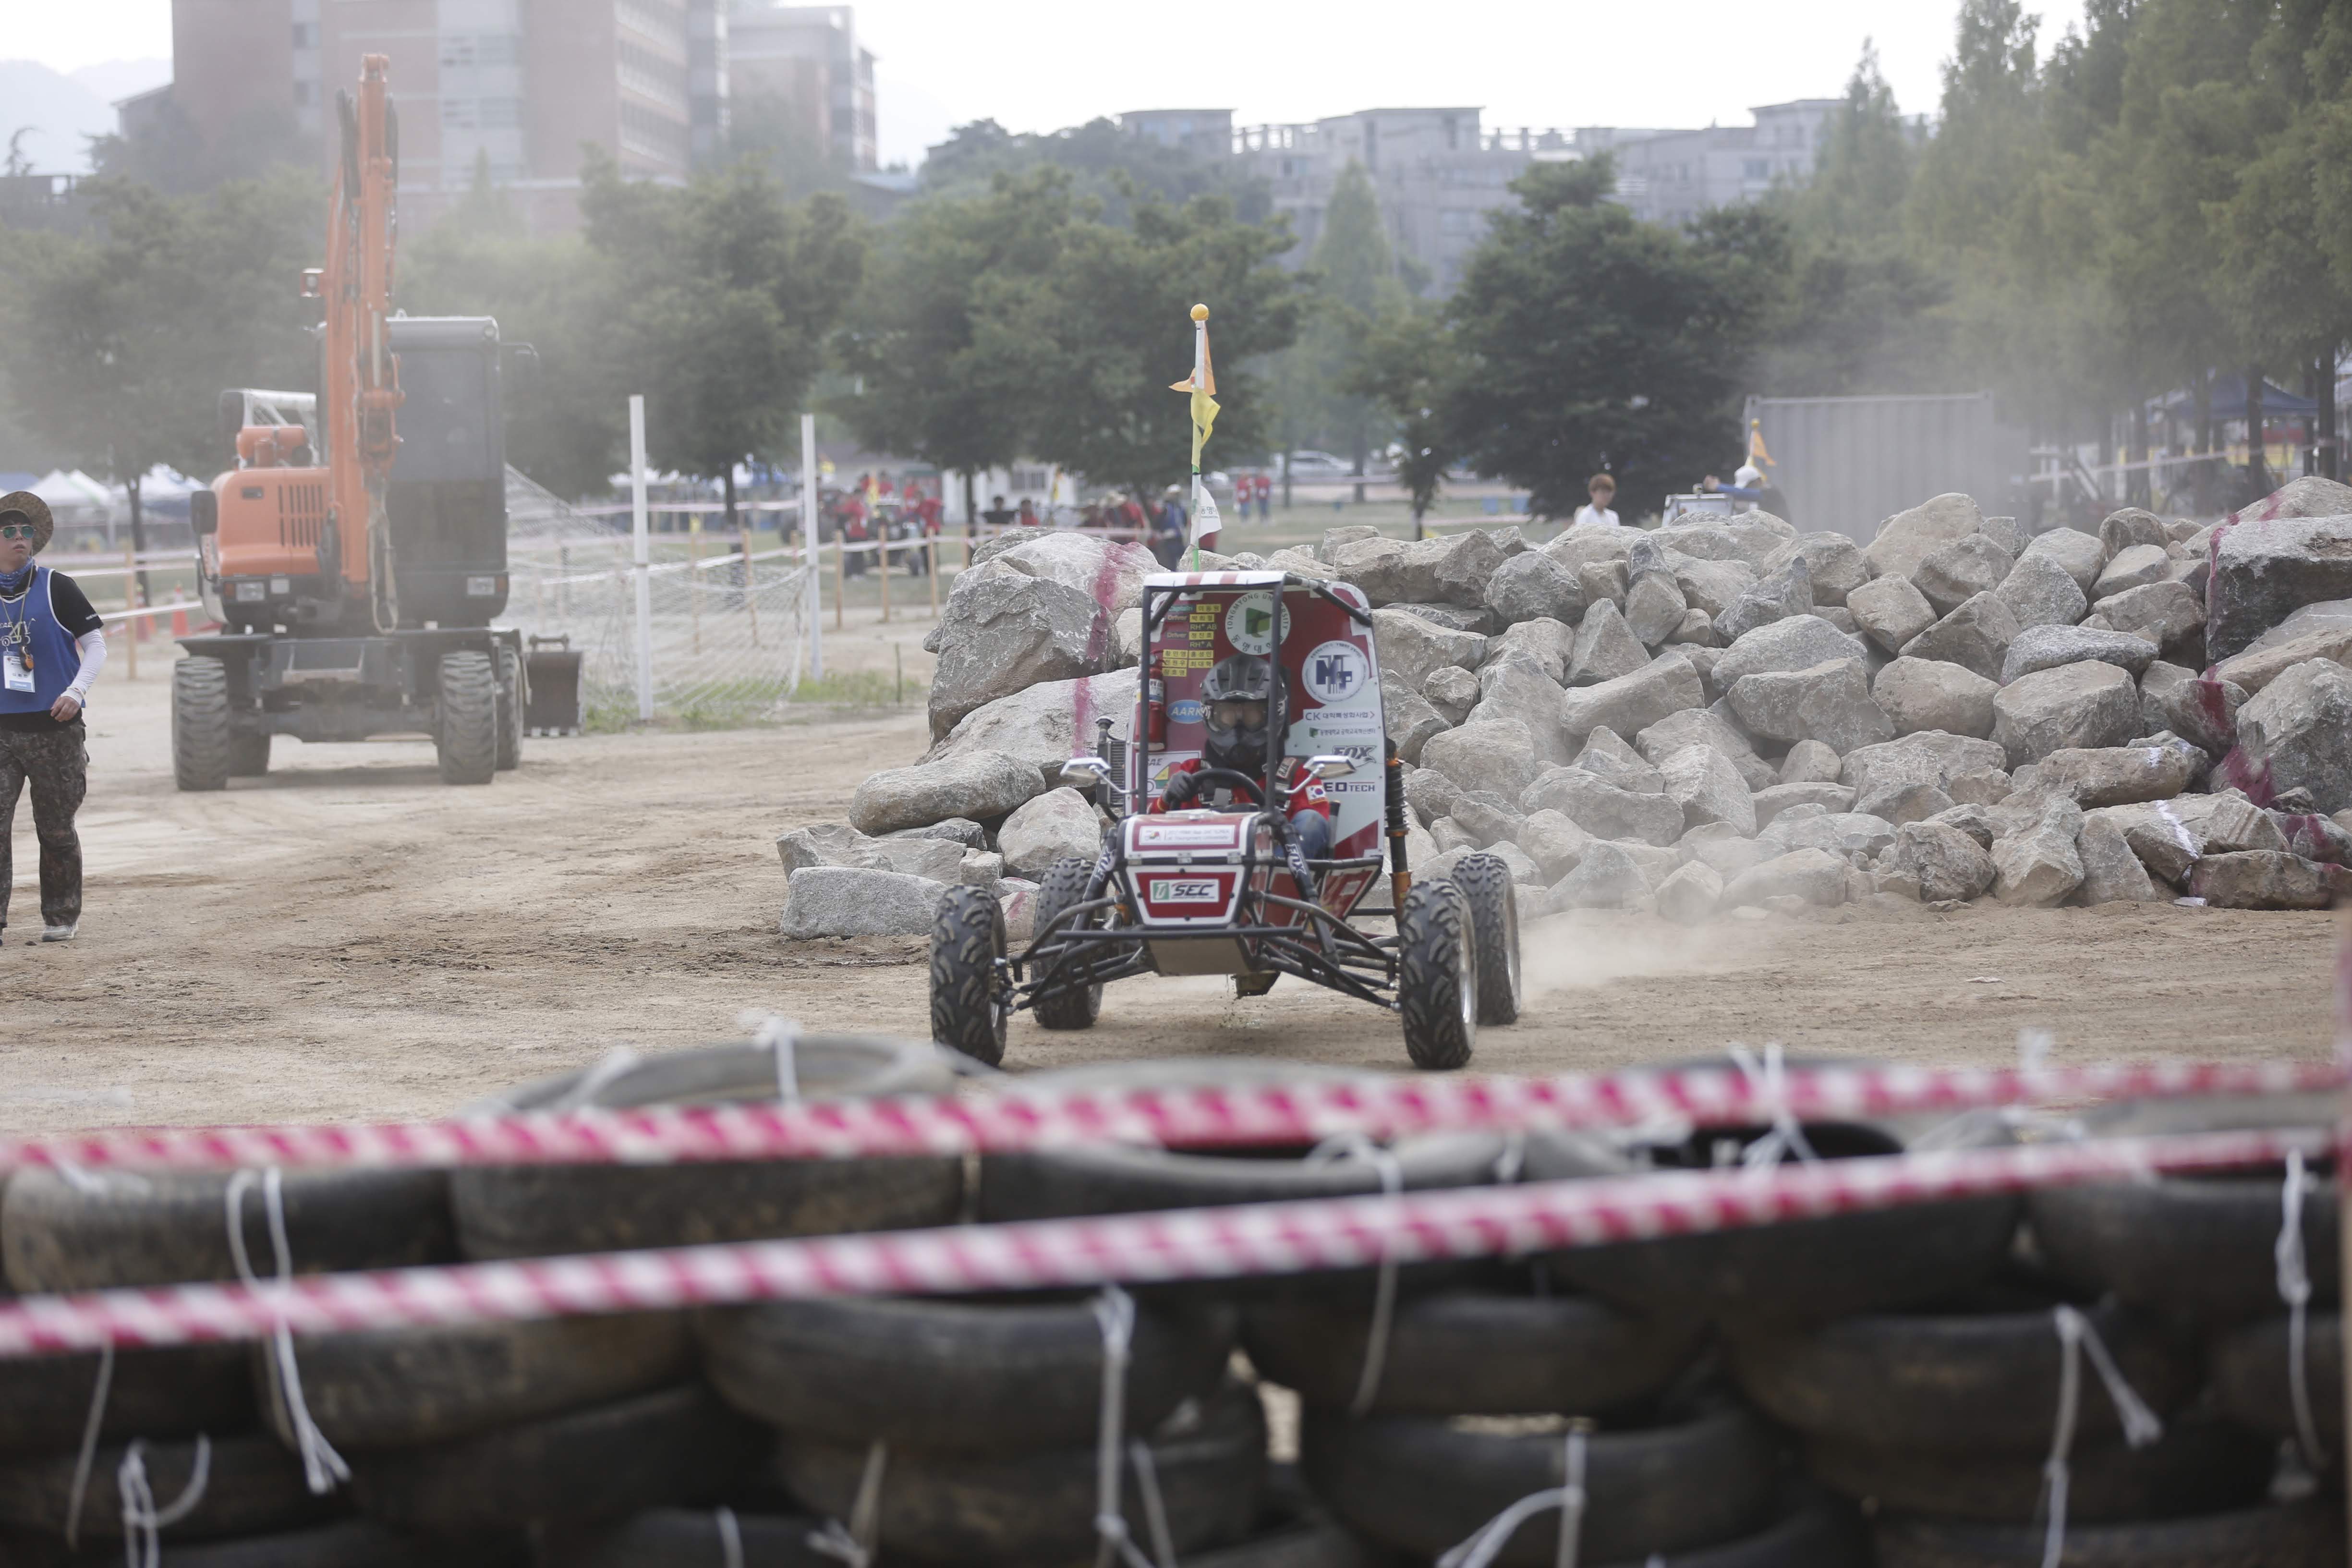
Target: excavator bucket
{"points": [[552, 677]]}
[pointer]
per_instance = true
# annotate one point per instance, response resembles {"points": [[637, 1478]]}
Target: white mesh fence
{"points": [[728, 626]]}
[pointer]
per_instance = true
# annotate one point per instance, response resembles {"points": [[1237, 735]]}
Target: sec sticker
{"points": [[1251, 624]]}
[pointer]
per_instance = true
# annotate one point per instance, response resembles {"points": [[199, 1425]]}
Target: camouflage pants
{"points": [[56, 764]]}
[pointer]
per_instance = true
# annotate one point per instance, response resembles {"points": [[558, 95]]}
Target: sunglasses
{"points": [[18, 530]]}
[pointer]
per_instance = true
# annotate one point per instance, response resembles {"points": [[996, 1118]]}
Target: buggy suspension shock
{"points": [[1400, 872]]}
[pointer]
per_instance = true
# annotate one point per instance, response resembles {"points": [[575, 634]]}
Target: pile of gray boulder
{"points": [[1719, 717]]}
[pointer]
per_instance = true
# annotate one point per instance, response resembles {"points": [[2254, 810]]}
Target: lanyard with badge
{"points": [[16, 641]]}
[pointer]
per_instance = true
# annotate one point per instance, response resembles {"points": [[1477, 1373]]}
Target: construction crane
{"points": [[357, 552]]}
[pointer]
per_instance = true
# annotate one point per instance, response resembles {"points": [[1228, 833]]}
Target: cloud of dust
{"points": [[1586, 949]]}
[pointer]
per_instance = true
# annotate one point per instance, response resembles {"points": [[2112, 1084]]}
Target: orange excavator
{"points": [[357, 552]]}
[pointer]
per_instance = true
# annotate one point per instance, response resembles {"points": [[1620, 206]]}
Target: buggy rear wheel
{"points": [[1485, 884], [1438, 976], [967, 940], [1064, 1006]]}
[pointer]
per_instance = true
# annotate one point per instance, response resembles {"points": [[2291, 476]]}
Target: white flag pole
{"points": [[808, 546], [1200, 379], [644, 556]]}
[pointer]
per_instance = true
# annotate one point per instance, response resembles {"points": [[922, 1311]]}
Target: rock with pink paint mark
{"points": [[2259, 666], [2297, 732], [2201, 712], [2315, 837], [2265, 879], [2291, 548]]}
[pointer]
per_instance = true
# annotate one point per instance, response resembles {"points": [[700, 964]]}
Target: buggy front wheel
{"points": [[1064, 1005], [966, 942], [1438, 976], [1485, 884]]}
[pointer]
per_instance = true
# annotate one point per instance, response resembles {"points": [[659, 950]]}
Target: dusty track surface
{"points": [[349, 938]]}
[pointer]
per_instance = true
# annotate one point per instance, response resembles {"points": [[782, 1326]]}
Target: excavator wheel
{"points": [[467, 740], [202, 750], [510, 706]]}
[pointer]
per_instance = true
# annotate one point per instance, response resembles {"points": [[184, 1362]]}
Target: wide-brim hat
{"points": [[35, 510]]}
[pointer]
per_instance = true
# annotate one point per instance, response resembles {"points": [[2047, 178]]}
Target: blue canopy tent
{"points": [[2229, 401]]}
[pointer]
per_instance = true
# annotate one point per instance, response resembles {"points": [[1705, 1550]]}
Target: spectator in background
{"points": [[1168, 528], [1750, 490], [1597, 514], [1127, 516], [1027, 516], [997, 515]]}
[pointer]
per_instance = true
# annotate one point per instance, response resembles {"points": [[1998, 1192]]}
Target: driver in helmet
{"points": [[1238, 702]]}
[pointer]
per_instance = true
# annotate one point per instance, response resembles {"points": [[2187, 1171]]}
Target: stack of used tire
{"points": [[1934, 1403]]}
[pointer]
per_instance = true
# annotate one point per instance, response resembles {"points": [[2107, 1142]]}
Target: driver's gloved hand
{"points": [[1180, 791]]}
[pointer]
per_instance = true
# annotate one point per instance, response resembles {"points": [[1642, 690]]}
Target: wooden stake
{"points": [[882, 564], [694, 577], [933, 546], [130, 624], [840, 577], [750, 599]]}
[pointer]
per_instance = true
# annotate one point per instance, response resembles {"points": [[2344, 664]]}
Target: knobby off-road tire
{"points": [[204, 753], [248, 755], [466, 742], [254, 1486], [1438, 976], [967, 939], [1064, 1006], [1485, 882], [510, 709]]}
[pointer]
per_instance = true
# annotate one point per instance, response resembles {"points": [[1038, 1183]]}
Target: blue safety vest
{"points": [[55, 659]]}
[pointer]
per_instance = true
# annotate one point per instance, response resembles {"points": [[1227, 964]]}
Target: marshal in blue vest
{"points": [[55, 659]]}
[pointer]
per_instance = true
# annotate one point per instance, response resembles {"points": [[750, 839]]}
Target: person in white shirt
{"points": [[1603, 490]]}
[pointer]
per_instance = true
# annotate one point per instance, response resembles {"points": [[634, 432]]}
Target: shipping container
{"points": [[1845, 465]]}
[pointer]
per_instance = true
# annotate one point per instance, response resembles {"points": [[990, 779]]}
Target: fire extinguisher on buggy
{"points": [[1400, 872]]}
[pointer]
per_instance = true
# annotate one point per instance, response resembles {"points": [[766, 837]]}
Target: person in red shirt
{"points": [[1238, 699]]}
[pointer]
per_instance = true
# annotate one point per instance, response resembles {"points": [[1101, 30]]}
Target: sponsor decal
{"points": [[1336, 672], [1252, 622], [1187, 891], [1180, 834], [1186, 711]]}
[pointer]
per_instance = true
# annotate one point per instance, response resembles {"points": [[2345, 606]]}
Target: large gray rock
{"points": [[1002, 632], [1517, 688], [1935, 756], [1547, 642], [1606, 878], [2119, 775], [848, 901], [1945, 862], [1604, 810], [1632, 703], [1530, 586], [1829, 702], [1414, 647], [2265, 879], [2112, 873], [1452, 617], [2135, 566], [1690, 893], [2292, 548], [2200, 711], [1711, 586], [2040, 592], [1891, 611], [961, 830], [1496, 755], [1751, 537], [1582, 547], [2266, 661], [1954, 572], [2297, 732], [2037, 863], [1430, 793], [838, 844], [1785, 593], [1832, 560], [824, 844], [1607, 757], [2073, 705], [2327, 616], [1453, 569], [2128, 526], [1976, 634], [2170, 836], [1708, 788], [1059, 823], [2166, 614], [1907, 538], [1487, 817], [984, 785], [2080, 554], [1452, 691], [1605, 647], [1411, 719], [1044, 725], [1816, 876], [1922, 694], [1771, 802], [1553, 842], [1705, 727], [1655, 610], [1809, 761], [1601, 580], [1845, 833], [2047, 647], [1800, 642]]}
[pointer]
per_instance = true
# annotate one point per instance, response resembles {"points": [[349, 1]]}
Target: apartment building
{"points": [[809, 56], [1671, 176]]}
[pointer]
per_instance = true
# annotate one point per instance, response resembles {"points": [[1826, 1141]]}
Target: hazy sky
{"points": [[1039, 64]]}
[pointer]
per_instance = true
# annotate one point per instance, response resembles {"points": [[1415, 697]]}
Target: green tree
{"points": [[1104, 162], [1592, 341], [1353, 287], [1410, 366], [718, 299]]}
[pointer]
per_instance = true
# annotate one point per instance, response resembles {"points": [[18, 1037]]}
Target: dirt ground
{"points": [[349, 938]]}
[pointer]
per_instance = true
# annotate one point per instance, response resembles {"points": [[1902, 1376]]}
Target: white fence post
{"points": [[644, 556], [808, 546]]}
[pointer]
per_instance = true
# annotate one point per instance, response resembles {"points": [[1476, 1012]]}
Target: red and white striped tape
{"points": [[1011, 1118], [1186, 1244]]}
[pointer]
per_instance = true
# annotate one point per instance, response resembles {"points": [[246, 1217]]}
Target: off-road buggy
{"points": [[1225, 887]]}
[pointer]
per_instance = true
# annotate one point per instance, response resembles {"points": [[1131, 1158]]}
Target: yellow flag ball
{"points": [[1199, 312]]}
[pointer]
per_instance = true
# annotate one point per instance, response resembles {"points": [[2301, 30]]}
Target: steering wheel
{"points": [[1231, 777]]}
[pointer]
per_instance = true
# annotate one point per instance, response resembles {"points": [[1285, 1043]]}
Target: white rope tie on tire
{"points": [[88, 1452], [582, 1095], [1768, 1082], [322, 1468], [781, 1036], [142, 1522], [730, 1539], [856, 1544], [2141, 1425], [2295, 1289], [1487, 1543], [1114, 1311], [1356, 1146]]}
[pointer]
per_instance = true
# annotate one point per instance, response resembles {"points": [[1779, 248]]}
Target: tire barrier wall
{"points": [[1980, 1337]]}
